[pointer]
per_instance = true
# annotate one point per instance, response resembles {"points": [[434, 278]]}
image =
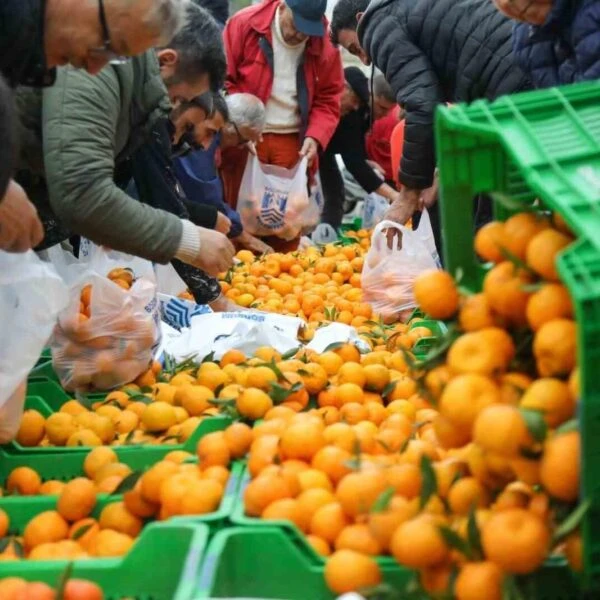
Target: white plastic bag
{"points": [[324, 234], [114, 341], [245, 331], [425, 233], [275, 201], [31, 296], [389, 274], [374, 209]]}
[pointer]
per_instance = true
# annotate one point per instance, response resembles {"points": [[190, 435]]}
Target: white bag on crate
{"points": [[116, 343], [275, 201], [31, 296], [374, 209], [324, 234], [389, 273]]}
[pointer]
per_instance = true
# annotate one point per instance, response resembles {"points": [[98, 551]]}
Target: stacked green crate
{"points": [[546, 145], [164, 563]]}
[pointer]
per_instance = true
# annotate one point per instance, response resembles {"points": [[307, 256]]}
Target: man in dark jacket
{"points": [[565, 47], [431, 52], [349, 142], [35, 37]]}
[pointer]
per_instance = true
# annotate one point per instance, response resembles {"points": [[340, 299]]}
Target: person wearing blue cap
{"points": [[281, 53]]}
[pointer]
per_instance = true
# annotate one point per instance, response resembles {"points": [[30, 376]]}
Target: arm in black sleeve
{"points": [[414, 81], [351, 143], [201, 214]]}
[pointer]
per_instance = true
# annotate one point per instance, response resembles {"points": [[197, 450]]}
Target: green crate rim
{"points": [[98, 570], [216, 518]]}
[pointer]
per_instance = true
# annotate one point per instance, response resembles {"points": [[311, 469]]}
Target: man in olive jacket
{"points": [[92, 126], [38, 35]]}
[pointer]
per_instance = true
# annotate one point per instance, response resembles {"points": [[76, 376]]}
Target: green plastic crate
{"points": [[268, 562], [546, 145], [238, 517], [554, 581], [44, 370], [69, 467], [149, 452], [50, 391], [45, 356], [542, 144], [163, 565], [22, 509]]}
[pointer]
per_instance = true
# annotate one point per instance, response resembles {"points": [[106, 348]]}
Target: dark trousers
{"points": [[334, 191]]}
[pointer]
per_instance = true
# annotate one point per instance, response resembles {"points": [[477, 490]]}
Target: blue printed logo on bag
{"points": [[272, 208]]}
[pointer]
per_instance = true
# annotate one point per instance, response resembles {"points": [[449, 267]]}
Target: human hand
{"points": [[216, 252], [309, 149], [223, 304], [251, 148], [530, 11], [223, 224], [20, 225], [254, 244], [401, 210]]}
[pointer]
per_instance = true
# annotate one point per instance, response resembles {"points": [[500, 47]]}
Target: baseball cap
{"points": [[358, 83], [308, 16]]}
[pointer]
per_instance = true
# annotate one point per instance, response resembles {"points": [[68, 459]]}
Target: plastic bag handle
{"points": [[303, 162], [378, 234]]}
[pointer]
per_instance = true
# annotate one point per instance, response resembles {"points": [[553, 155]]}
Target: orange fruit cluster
{"points": [[180, 484], [161, 414], [16, 588], [319, 284], [103, 349]]}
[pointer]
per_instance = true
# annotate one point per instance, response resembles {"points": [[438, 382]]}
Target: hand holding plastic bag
{"points": [[106, 335], [389, 273], [31, 296]]}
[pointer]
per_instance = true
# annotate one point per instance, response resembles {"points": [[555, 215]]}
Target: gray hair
{"points": [[382, 88], [163, 17], [246, 109]]}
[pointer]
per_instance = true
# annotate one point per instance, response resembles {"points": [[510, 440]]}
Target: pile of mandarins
{"points": [[319, 284], [461, 466]]}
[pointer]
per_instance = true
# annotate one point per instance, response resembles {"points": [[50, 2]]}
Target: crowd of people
{"points": [[130, 122]]}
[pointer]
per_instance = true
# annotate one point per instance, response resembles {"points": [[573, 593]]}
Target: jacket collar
{"points": [[263, 16]]}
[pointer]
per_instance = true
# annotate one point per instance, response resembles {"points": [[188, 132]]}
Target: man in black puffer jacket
{"points": [[431, 52]]}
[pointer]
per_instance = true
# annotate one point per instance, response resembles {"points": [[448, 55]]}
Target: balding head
{"points": [[75, 34], [246, 120]]}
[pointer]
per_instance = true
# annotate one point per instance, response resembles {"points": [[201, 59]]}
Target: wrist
{"points": [[190, 242]]}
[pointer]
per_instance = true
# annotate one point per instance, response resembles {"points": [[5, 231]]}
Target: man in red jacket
{"points": [[280, 52]]}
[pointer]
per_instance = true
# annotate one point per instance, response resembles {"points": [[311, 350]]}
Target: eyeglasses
{"points": [[243, 141], [106, 52]]}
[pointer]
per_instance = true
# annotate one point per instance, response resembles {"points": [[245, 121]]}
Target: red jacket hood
{"points": [[261, 16]]}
